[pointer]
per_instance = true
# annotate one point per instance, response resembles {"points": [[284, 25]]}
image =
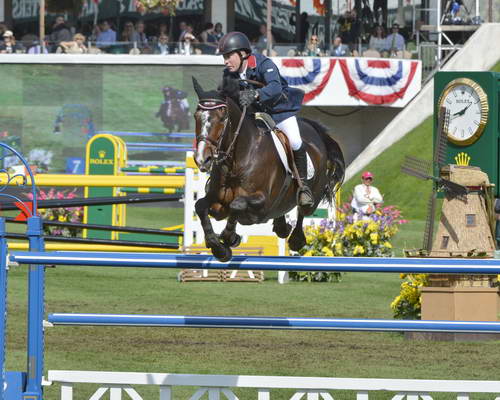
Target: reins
{"points": [[213, 104]]}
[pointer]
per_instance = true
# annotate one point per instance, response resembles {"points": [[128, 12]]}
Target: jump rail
{"points": [[332, 324], [340, 264]]}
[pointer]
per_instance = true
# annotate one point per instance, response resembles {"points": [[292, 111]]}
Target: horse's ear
{"points": [[197, 88]]}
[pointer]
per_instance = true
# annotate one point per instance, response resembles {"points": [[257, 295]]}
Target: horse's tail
{"points": [[336, 163]]}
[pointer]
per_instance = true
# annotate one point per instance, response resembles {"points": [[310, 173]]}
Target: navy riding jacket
{"points": [[276, 97]]}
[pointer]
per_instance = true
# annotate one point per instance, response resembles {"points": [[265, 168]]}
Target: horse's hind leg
{"points": [[219, 250], [229, 235], [281, 227], [297, 239]]}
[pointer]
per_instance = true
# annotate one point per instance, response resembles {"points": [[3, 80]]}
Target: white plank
{"points": [[132, 393], [426, 397], [214, 394], [99, 393], [362, 396], [229, 394], [465, 396], [199, 394], [298, 395], [399, 396], [165, 393], [67, 391], [312, 395], [263, 394], [326, 396], [115, 393]]}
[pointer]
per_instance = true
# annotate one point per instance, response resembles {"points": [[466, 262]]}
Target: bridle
{"points": [[214, 104]]}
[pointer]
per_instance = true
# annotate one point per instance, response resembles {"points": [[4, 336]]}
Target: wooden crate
{"points": [[220, 275]]}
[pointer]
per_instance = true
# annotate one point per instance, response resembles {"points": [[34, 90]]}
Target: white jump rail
{"points": [[217, 387]]}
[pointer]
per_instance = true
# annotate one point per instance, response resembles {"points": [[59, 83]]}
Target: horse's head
{"points": [[211, 118]]}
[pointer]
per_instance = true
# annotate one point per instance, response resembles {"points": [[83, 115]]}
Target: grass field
{"points": [[252, 352]]}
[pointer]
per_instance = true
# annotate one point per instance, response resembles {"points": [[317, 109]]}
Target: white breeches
{"points": [[291, 129]]}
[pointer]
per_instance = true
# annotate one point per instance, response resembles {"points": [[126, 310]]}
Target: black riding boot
{"points": [[305, 199]]}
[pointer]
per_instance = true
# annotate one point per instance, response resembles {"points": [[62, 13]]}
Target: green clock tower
{"points": [[474, 129]]}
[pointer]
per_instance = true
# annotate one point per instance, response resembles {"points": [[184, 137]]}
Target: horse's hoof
{"points": [[222, 253], [282, 231], [296, 242], [212, 241], [239, 204], [232, 240]]}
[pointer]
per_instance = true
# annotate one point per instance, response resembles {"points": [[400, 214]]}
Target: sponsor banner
{"points": [[353, 81]]}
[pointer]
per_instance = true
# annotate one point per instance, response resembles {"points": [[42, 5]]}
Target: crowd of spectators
{"points": [[358, 32]]}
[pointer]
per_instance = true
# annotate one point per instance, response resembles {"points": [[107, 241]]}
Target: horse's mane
{"points": [[230, 87]]}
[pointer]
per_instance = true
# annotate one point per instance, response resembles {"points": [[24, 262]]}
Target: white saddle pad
{"points": [[284, 161]]}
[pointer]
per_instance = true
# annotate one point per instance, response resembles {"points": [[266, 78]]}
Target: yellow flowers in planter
{"points": [[347, 237], [407, 305]]}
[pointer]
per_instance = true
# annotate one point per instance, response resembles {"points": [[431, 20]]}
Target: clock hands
{"points": [[461, 112]]}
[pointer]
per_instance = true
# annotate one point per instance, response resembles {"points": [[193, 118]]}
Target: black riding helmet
{"points": [[234, 41]]}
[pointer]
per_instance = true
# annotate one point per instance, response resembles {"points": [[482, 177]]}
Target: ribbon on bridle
{"points": [[213, 104]]}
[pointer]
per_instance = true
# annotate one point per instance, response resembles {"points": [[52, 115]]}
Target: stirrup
{"points": [[305, 200]]}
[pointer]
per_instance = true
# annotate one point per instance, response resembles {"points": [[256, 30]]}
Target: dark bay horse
{"points": [[248, 183]]}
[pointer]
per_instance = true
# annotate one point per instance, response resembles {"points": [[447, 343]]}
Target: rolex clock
{"points": [[473, 132]]}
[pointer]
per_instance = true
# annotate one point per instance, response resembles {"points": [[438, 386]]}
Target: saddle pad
{"points": [[282, 155]]}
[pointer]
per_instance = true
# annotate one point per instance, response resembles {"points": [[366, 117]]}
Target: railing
{"points": [[221, 386]]}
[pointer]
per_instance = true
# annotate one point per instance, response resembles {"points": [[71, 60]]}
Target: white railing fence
{"points": [[124, 385]]}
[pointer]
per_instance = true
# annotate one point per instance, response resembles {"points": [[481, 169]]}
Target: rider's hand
{"points": [[247, 97]]}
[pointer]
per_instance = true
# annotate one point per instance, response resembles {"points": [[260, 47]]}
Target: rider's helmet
{"points": [[234, 41]]}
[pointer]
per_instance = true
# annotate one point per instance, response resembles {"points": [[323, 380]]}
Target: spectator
{"points": [[313, 49], [261, 42], [377, 39], [161, 46], [208, 39], [183, 30], [128, 34], [188, 39], [9, 44], [60, 33], [394, 42], [36, 48], [349, 28], [139, 38], [76, 46], [339, 49], [380, 5], [106, 37], [218, 31], [162, 29], [3, 29], [365, 197]]}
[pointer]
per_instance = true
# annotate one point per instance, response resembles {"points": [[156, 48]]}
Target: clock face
{"points": [[468, 106]]}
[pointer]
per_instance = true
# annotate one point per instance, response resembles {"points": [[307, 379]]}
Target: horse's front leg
{"points": [[229, 235], [297, 238], [219, 250]]}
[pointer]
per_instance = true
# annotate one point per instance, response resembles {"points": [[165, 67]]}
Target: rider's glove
{"points": [[247, 97]]}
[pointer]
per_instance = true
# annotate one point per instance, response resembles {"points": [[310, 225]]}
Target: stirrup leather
{"points": [[266, 119]]}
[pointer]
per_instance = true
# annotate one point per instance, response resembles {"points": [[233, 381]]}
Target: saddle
{"points": [[267, 124]]}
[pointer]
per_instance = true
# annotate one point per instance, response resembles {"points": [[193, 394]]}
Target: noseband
{"points": [[214, 104]]}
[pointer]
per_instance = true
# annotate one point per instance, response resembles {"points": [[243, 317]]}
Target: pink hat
{"points": [[367, 174]]}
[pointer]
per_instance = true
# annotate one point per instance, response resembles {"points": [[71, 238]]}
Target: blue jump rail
{"points": [[151, 134], [333, 324], [328, 264]]}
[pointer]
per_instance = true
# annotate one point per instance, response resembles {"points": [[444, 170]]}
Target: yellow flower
{"points": [[374, 238], [308, 253], [358, 249], [388, 245], [62, 218], [327, 251]]}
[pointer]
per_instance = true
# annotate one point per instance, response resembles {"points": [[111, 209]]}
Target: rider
{"points": [[275, 98]]}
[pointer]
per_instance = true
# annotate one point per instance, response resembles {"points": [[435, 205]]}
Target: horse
{"points": [[248, 183], [173, 112]]}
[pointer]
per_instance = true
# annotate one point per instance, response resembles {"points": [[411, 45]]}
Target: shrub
{"points": [[408, 305], [60, 214], [370, 237]]}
